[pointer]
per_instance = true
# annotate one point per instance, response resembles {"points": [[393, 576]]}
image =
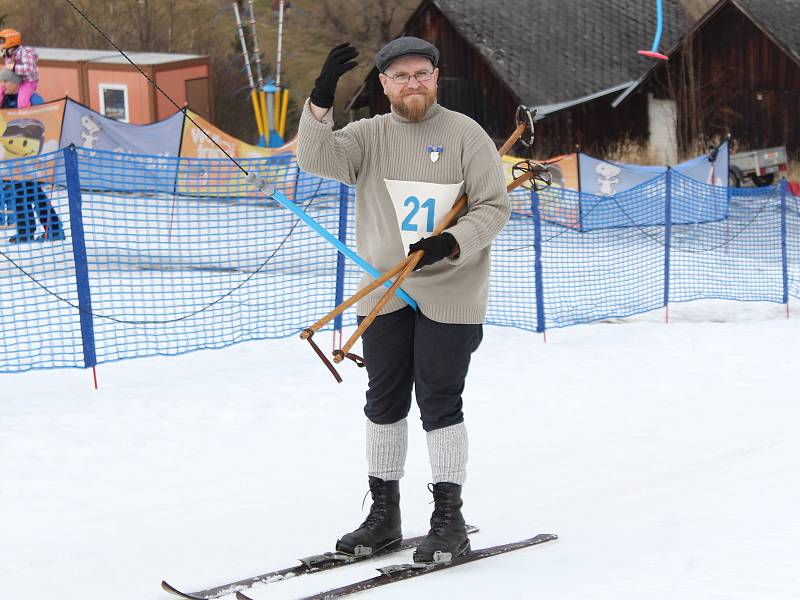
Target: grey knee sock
{"points": [[448, 448], [387, 446]]}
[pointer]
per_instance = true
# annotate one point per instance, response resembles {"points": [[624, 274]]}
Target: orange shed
{"points": [[107, 83]]}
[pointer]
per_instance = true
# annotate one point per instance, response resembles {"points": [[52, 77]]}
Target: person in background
{"points": [[21, 60], [24, 138], [11, 88]]}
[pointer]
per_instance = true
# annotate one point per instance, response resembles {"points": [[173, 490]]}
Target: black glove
{"points": [[436, 248], [339, 61]]}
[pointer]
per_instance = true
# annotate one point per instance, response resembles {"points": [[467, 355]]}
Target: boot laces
{"points": [[377, 511], [441, 516]]}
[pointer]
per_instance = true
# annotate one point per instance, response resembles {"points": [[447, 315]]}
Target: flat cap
{"points": [[9, 75], [405, 46]]}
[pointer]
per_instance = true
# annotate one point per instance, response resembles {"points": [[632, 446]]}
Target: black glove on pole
{"points": [[339, 61], [436, 248]]}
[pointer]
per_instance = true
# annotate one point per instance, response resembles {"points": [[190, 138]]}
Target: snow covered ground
{"points": [[666, 457]]}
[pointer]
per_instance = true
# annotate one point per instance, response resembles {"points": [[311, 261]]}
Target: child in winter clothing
{"points": [[22, 60]]}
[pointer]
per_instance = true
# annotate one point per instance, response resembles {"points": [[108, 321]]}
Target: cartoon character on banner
{"points": [[608, 178], [91, 131], [24, 138]]}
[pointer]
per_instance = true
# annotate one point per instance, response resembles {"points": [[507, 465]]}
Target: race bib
{"points": [[420, 206]]}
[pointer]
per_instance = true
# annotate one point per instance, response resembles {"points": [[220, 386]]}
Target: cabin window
{"points": [[114, 101]]}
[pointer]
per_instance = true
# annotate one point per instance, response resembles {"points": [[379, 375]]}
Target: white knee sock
{"points": [[448, 449], [387, 446]]}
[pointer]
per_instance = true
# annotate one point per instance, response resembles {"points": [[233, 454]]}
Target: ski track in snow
{"points": [[666, 457]]}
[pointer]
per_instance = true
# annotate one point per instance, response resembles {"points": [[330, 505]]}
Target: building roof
{"points": [[779, 18], [552, 51], [111, 56]]}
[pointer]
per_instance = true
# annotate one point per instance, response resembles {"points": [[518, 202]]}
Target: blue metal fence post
{"points": [[667, 237], [580, 195], [79, 255], [344, 205], [537, 262], [784, 258]]}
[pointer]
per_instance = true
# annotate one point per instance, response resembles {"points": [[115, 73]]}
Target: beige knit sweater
{"points": [[388, 147]]}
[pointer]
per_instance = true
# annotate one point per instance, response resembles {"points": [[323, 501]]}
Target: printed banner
{"points": [[195, 143], [564, 170], [703, 168], [692, 203], [87, 129], [554, 205], [605, 178], [28, 133], [224, 179], [155, 147], [607, 199]]}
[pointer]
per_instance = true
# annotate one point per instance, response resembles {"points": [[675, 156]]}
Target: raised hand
{"points": [[339, 61]]}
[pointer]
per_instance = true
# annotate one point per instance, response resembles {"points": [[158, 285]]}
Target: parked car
{"points": [[760, 166]]}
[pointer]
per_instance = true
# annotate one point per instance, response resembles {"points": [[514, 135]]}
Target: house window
{"points": [[114, 101]]}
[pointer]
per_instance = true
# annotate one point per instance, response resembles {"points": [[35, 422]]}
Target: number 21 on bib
{"points": [[420, 206]]}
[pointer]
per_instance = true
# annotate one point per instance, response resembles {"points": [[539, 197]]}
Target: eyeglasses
{"points": [[404, 78]]}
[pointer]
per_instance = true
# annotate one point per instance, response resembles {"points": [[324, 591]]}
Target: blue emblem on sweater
{"points": [[434, 152]]}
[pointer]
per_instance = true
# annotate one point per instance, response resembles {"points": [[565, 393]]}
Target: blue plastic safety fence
{"points": [[603, 256], [736, 258], [512, 299], [112, 256], [210, 262], [38, 286], [792, 204]]}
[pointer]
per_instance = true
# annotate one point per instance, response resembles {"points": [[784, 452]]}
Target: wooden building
{"points": [[737, 71], [569, 58], [107, 83]]}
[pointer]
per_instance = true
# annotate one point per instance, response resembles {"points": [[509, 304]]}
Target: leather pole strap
{"points": [[354, 357]]}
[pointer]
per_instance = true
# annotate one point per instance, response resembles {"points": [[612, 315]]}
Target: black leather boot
{"points": [[381, 529], [447, 538]]}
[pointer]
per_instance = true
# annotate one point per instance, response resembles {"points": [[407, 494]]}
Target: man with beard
{"points": [[409, 167]]}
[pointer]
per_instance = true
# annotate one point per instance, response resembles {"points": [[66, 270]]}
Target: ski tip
{"points": [[168, 588], [542, 537], [241, 596]]}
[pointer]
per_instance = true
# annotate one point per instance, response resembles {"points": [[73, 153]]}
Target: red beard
{"points": [[413, 105]]}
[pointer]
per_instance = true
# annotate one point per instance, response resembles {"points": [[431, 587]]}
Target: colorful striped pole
{"points": [[653, 52], [259, 116]]}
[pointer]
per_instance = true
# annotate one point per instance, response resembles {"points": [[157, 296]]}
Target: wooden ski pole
{"points": [[460, 203], [524, 119], [413, 261], [309, 331]]}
